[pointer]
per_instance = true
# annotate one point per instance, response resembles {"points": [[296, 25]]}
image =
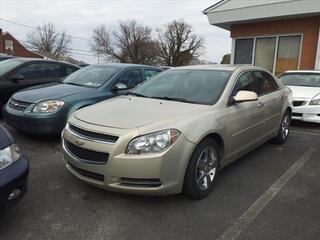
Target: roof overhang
{"points": [[224, 14]]}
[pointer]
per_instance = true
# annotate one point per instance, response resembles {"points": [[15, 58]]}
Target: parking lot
{"points": [[271, 193]]}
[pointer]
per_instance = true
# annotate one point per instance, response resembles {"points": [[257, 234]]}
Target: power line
{"points": [[34, 28]]}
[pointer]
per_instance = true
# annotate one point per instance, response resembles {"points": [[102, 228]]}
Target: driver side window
{"points": [[130, 78], [245, 82]]}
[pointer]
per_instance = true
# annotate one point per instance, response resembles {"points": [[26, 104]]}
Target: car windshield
{"points": [[92, 76], [185, 85], [8, 65], [301, 79]]}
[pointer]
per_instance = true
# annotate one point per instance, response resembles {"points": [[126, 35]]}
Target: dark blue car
{"points": [[45, 109], [14, 169]]}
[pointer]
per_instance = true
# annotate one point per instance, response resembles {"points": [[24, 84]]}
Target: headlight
{"points": [[9, 155], [153, 142], [48, 106], [315, 100]]}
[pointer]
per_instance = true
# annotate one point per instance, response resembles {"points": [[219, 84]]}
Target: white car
{"points": [[305, 86]]}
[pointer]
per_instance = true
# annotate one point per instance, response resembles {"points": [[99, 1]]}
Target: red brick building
{"points": [[277, 35], [11, 46]]}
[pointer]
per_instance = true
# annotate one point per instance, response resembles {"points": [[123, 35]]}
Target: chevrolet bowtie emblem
{"points": [[79, 142]]}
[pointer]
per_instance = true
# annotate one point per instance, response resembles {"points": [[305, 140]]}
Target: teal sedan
{"points": [[45, 109]]}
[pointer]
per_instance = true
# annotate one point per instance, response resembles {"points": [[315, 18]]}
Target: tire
{"points": [[201, 174], [284, 129]]}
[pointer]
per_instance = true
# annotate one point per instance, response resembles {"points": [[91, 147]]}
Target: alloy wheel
{"points": [[206, 168], [285, 126]]}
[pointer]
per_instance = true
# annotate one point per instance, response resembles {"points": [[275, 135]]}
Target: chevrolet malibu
{"points": [[176, 131], [305, 86]]}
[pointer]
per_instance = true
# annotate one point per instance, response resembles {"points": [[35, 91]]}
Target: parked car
{"points": [[305, 86], [19, 73], [14, 169], [175, 132], [45, 109], [6, 57]]}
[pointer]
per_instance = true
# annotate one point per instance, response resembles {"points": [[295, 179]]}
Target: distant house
{"points": [[277, 35], [11, 46]]}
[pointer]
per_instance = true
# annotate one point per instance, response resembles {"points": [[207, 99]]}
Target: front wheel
{"points": [[202, 169], [284, 130]]}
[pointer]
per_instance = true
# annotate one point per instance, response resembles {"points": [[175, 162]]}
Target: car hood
{"points": [[48, 92], [128, 112], [304, 92]]}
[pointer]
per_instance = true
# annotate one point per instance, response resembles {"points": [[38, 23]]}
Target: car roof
{"points": [[303, 71], [125, 65], [22, 59], [222, 67]]}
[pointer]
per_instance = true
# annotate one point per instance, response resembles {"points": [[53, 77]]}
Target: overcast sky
{"points": [[80, 17]]}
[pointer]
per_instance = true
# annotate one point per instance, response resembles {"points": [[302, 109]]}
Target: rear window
{"points": [[301, 79]]}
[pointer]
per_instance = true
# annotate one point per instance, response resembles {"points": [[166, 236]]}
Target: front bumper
{"points": [[307, 113], [13, 179], [150, 174], [34, 123]]}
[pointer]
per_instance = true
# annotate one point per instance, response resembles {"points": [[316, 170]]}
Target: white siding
{"points": [[234, 4], [237, 11]]}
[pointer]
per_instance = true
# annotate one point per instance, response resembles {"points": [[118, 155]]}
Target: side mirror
{"points": [[120, 86], [17, 77], [245, 96]]}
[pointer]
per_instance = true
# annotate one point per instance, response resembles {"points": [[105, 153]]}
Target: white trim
{"points": [[275, 56], [277, 36], [317, 63], [233, 47]]}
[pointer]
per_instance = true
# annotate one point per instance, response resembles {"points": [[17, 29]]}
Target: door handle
{"points": [[260, 104]]}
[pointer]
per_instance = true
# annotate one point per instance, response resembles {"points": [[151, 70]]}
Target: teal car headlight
{"points": [[48, 106], [9, 155], [153, 142]]}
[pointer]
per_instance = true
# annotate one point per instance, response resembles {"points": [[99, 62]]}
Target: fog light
{"points": [[15, 193]]}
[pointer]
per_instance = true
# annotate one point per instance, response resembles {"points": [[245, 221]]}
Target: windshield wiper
{"points": [[137, 94], [175, 99], [71, 83]]}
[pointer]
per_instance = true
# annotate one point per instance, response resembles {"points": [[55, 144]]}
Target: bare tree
{"points": [[46, 40], [226, 59], [132, 43], [178, 44]]}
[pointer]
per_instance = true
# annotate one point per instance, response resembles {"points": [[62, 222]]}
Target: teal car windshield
{"points": [[92, 76], [8, 65], [191, 86]]}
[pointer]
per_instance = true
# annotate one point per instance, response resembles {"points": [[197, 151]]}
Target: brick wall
{"points": [[18, 49], [309, 27]]}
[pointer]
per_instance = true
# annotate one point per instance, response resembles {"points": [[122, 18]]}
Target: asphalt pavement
{"points": [[271, 193]]}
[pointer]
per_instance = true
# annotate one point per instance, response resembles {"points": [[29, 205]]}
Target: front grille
{"points": [[93, 135], [297, 114], [85, 154], [299, 103], [18, 105], [88, 174], [141, 182]]}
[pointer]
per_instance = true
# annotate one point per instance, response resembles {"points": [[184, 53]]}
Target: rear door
{"points": [[271, 100]]}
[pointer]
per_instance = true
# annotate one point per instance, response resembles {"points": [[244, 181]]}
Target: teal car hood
{"points": [[49, 92]]}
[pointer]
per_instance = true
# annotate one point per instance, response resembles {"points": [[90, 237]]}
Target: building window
{"points": [[264, 53], [275, 53], [288, 54], [243, 51], [8, 45]]}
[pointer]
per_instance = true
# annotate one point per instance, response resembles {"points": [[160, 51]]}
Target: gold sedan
{"points": [[176, 131]]}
